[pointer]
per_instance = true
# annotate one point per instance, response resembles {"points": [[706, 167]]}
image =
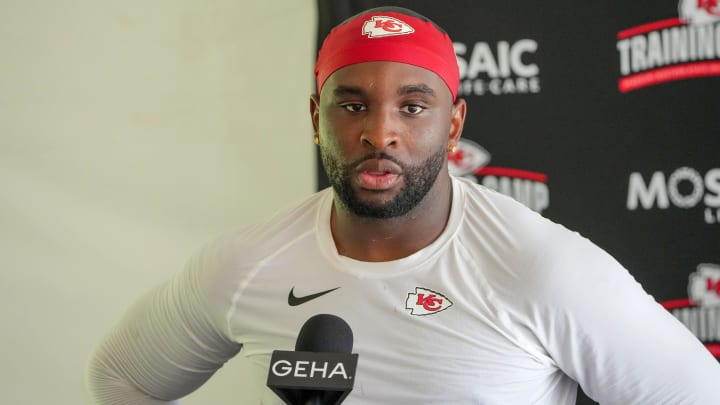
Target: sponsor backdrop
{"points": [[602, 116]]}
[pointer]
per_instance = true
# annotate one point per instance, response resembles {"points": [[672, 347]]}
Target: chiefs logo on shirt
{"points": [[426, 302]]}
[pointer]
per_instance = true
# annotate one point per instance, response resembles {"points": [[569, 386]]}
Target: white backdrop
{"points": [[131, 133]]}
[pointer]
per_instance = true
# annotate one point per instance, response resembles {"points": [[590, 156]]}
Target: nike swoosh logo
{"points": [[295, 301]]}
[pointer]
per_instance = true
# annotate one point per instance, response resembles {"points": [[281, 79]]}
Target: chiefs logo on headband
{"points": [[383, 26]]}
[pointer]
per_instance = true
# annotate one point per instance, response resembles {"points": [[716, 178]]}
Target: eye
{"points": [[354, 107], [413, 109]]}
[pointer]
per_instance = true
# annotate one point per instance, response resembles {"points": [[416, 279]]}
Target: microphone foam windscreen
{"points": [[325, 333]]}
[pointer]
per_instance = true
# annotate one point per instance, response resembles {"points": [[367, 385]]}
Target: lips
{"points": [[378, 174]]}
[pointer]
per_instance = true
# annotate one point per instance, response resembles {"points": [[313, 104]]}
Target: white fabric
{"points": [[535, 307]]}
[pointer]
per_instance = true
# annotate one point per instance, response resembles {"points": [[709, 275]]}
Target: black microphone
{"points": [[321, 370]]}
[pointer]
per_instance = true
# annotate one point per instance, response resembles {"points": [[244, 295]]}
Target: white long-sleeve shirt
{"points": [[504, 307]]}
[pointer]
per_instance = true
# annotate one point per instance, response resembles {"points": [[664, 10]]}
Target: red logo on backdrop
{"points": [[382, 26], [709, 6], [426, 302], [470, 160], [700, 312], [673, 49]]}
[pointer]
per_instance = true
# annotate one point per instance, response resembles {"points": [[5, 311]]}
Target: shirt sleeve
{"points": [[169, 343], [604, 331]]}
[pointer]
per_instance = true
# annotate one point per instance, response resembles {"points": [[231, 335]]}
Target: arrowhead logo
{"points": [[382, 26], [295, 301], [426, 302], [704, 286]]}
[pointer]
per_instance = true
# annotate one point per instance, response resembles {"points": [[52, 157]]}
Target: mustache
{"points": [[377, 155]]}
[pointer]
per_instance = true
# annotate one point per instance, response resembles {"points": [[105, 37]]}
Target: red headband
{"points": [[388, 36]]}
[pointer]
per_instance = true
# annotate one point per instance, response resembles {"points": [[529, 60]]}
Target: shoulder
{"points": [[485, 206], [496, 222], [216, 271], [535, 255], [255, 241], [232, 258]]}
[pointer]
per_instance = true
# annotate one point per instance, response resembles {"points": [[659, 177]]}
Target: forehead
{"points": [[384, 77]]}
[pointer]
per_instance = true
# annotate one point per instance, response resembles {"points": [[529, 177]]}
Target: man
{"points": [[456, 294]]}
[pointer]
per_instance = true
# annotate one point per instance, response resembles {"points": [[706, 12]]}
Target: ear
{"points": [[315, 112], [457, 121]]}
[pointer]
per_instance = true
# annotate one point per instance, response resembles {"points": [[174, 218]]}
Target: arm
{"points": [[615, 340], [169, 343]]}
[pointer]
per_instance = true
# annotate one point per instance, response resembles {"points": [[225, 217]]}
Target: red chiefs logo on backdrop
{"points": [[698, 11], [700, 312], [426, 302], [470, 160], [382, 26]]}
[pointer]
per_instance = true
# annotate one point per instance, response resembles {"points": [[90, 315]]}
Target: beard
{"points": [[418, 180]]}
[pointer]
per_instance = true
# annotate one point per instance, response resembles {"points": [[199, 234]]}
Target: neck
{"points": [[378, 240]]}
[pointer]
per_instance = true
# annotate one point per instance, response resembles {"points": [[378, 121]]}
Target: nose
{"points": [[380, 130]]}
